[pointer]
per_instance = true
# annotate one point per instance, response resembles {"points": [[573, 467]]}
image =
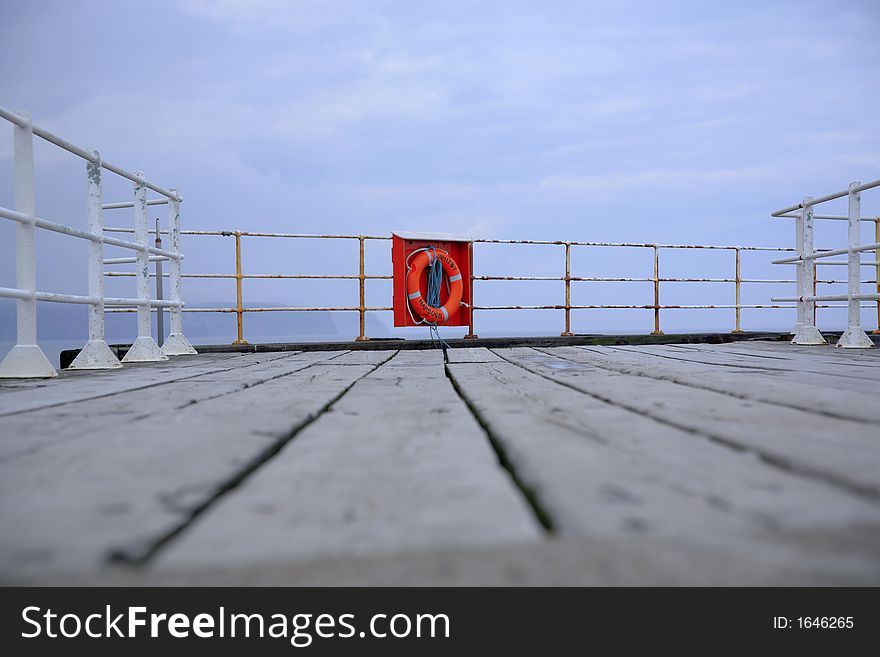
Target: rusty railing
{"points": [[240, 309]]}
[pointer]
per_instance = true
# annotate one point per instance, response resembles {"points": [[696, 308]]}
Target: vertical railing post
{"points": [[656, 330], [239, 308], [854, 337], [362, 337], [815, 289], [176, 344], [96, 355], [26, 359], [799, 270], [470, 334], [807, 333], [160, 312], [567, 331], [877, 269], [144, 349], [738, 278]]}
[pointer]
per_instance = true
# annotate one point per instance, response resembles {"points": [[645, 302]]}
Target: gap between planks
{"points": [[398, 463], [811, 446], [75, 502], [140, 553]]}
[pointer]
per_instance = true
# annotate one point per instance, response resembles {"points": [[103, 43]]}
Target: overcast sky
{"points": [[626, 121]]}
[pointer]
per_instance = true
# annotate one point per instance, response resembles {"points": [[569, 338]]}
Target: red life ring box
{"points": [[404, 245]]}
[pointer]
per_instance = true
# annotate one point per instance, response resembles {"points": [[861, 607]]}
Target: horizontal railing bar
{"points": [[824, 199], [635, 245], [130, 204], [721, 248], [246, 233], [582, 279], [266, 309], [316, 276], [844, 263], [478, 278], [595, 307], [486, 278], [128, 261], [45, 224], [150, 231], [831, 297], [827, 254], [492, 278], [519, 278], [263, 276], [697, 280], [15, 293], [230, 233], [155, 303], [12, 117], [628, 306], [830, 217], [65, 298]]}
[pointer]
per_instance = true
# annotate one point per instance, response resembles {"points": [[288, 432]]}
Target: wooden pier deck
{"points": [[741, 463]]}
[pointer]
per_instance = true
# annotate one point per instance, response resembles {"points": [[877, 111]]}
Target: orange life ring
{"points": [[414, 282]]}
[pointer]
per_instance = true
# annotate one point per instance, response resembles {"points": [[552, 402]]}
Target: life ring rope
{"points": [[430, 314]]}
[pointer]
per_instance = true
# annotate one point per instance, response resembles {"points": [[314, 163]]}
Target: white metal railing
{"points": [[807, 258], [26, 359]]}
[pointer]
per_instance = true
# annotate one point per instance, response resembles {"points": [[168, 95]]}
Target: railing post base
{"points": [[96, 355], [855, 338], [26, 361], [177, 345], [657, 333], [566, 334], [471, 336], [734, 331], [241, 342], [362, 338], [809, 335], [144, 350]]}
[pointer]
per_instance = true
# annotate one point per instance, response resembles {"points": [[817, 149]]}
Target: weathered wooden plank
{"points": [[805, 391], [73, 386], [603, 471], [419, 358], [821, 353], [472, 355], [826, 359], [635, 560], [839, 451], [27, 433], [836, 377], [359, 357], [127, 487], [863, 363], [178, 362], [397, 464]]}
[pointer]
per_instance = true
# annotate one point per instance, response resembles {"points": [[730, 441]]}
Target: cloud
{"points": [[564, 120]]}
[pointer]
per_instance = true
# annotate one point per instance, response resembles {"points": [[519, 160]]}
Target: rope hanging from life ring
{"points": [[416, 263]]}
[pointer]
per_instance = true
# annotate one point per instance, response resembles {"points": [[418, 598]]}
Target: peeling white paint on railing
{"points": [[854, 337], [26, 359]]}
